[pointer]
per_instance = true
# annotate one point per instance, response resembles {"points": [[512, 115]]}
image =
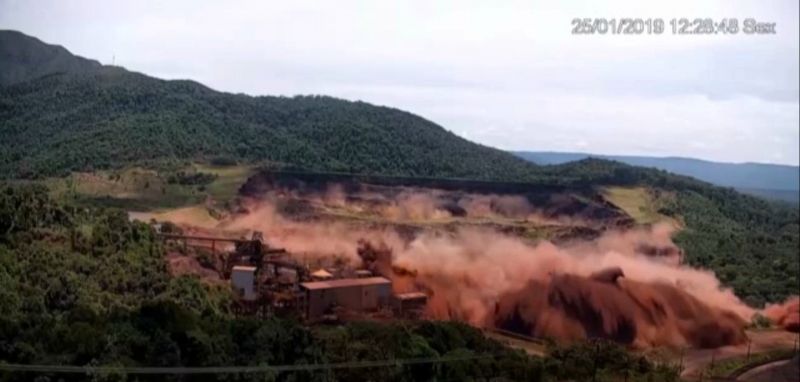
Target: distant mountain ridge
{"points": [[769, 180], [25, 58]]}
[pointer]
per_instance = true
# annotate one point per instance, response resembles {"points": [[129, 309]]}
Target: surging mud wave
{"points": [[626, 285]]}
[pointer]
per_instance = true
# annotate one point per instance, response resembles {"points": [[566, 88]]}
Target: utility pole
{"points": [[749, 342], [711, 368], [596, 351]]}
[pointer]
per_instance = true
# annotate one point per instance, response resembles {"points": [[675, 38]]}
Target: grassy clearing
{"points": [[636, 202], [229, 179], [142, 189], [197, 215], [132, 188], [640, 203]]}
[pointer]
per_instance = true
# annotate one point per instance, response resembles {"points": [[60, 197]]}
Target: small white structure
{"points": [[321, 275], [243, 281], [363, 273]]}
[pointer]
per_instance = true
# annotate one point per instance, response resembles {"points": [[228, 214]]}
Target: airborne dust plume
{"points": [[608, 287]]}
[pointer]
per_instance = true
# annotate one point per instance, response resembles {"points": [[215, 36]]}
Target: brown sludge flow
{"points": [[600, 288]]}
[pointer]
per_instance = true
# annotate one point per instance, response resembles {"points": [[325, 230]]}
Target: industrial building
{"points": [[268, 281], [409, 304], [355, 295], [243, 281]]}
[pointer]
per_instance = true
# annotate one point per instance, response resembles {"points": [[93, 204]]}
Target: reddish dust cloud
{"points": [[786, 315], [628, 286]]}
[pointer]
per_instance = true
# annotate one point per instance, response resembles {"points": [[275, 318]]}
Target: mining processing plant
{"points": [[267, 281]]}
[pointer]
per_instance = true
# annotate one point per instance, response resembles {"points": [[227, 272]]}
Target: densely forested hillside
{"points": [[24, 58], [113, 117]]}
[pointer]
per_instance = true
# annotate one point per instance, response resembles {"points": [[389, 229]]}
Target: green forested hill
{"points": [[112, 117], [24, 58]]}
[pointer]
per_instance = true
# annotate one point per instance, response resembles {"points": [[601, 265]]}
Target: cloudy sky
{"points": [[509, 75]]}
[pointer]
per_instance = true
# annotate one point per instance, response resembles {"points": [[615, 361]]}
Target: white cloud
{"points": [[510, 76]]}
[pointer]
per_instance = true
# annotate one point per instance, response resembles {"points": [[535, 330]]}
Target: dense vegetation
{"points": [[87, 287], [112, 118], [24, 58]]}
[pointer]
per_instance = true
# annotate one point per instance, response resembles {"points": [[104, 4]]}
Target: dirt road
{"points": [[697, 360], [781, 371]]}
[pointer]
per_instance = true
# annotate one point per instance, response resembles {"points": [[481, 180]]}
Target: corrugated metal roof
{"points": [[342, 283]]}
